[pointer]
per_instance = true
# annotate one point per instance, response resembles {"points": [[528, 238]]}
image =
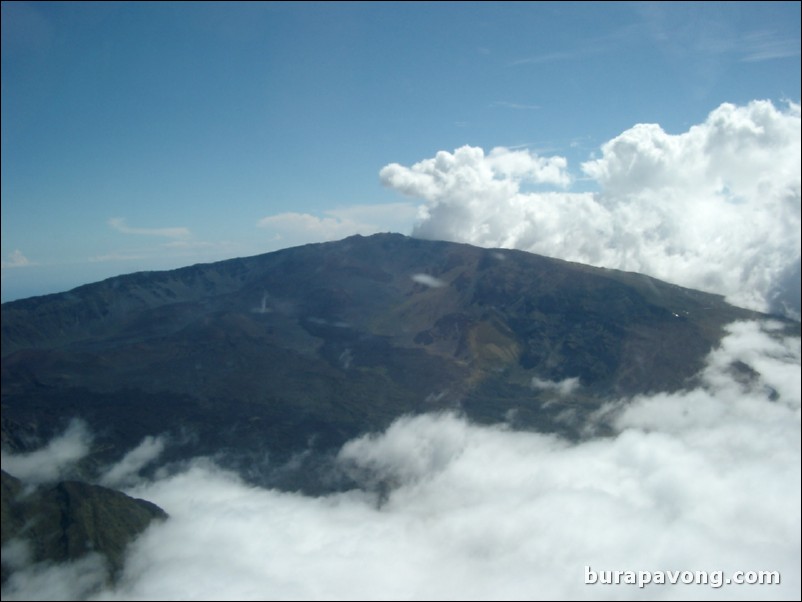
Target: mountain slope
{"points": [[70, 519], [265, 357]]}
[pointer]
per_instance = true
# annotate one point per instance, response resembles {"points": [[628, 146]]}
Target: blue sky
{"points": [[140, 136]]}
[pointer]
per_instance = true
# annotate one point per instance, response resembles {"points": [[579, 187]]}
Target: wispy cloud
{"points": [[195, 244], [766, 46], [622, 36], [128, 468], [505, 104], [197, 250], [119, 224], [710, 37], [117, 257], [563, 388], [16, 260], [55, 460], [554, 57], [428, 280], [302, 228]]}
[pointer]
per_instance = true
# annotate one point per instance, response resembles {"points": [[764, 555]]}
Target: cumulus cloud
{"points": [[715, 208], [701, 480], [54, 461], [119, 224], [470, 174]]}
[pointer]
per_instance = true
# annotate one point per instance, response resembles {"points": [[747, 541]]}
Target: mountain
{"points": [[67, 520], [266, 360]]}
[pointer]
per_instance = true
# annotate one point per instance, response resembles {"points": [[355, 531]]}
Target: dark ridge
{"points": [[259, 359], [66, 521]]}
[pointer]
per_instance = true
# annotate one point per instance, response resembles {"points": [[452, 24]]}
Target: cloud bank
{"points": [[702, 480], [715, 208]]}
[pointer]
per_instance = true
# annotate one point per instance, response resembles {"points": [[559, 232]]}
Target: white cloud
{"points": [[715, 208], [16, 260], [319, 228], [117, 257], [300, 228], [701, 480], [119, 224], [563, 388], [428, 280], [761, 46], [171, 254], [468, 175], [506, 104], [553, 57], [128, 468], [68, 581], [193, 244], [53, 461]]}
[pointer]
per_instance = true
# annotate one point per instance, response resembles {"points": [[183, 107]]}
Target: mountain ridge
{"points": [[81, 295], [271, 356], [67, 520]]}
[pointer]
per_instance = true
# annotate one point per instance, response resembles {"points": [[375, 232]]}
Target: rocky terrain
{"points": [[273, 361]]}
